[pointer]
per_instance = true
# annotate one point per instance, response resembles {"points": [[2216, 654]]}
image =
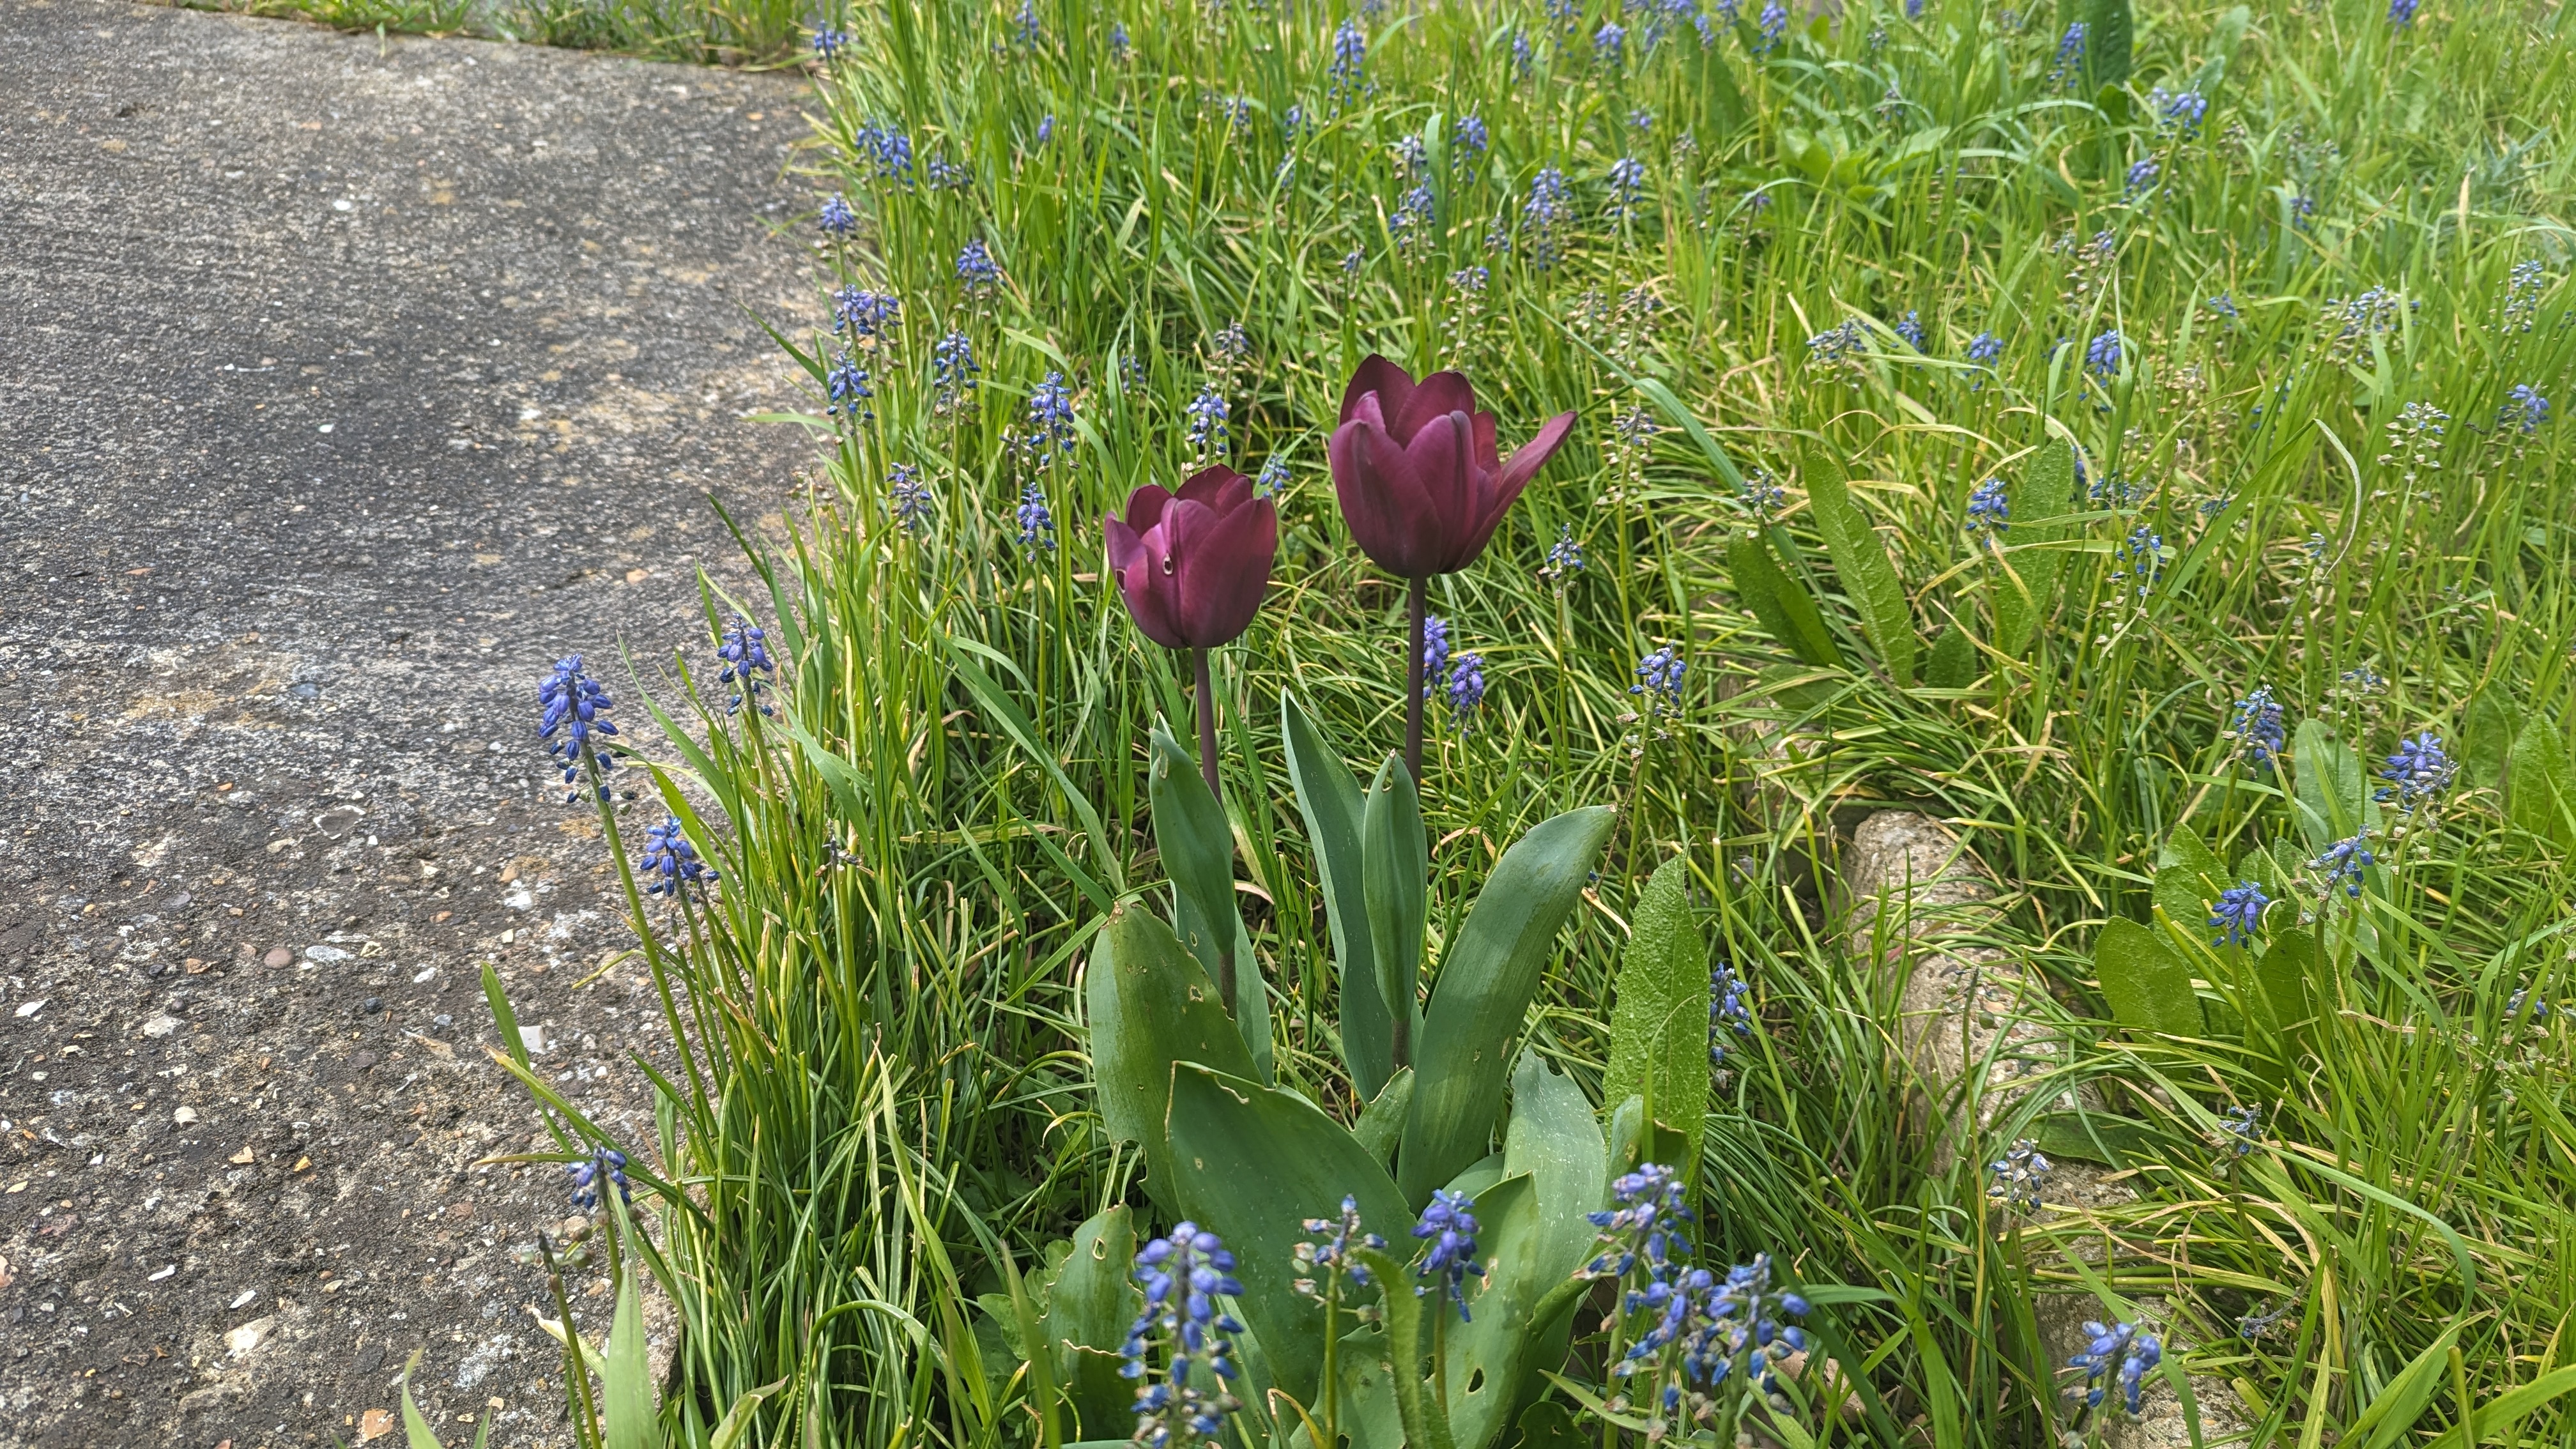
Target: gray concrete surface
{"points": [[344, 382]]}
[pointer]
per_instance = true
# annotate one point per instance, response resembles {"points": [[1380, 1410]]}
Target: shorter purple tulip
{"points": [[1193, 564]]}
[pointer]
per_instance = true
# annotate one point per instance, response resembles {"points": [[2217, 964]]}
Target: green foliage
{"points": [[1659, 1018], [1330, 804], [1862, 562], [2540, 785], [2146, 985]]}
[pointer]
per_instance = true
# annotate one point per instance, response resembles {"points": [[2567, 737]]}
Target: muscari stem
{"points": [[1416, 597], [1207, 772]]}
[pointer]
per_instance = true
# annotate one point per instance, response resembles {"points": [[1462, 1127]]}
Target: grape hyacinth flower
{"points": [[1727, 1012], [848, 384], [2070, 58], [604, 1165], [1989, 509], [2102, 355], [2257, 729], [888, 148], [907, 498], [1468, 135], [865, 314], [1349, 71], [744, 649], [1609, 45], [2144, 550], [1046, 128], [2401, 13], [2343, 862], [2240, 1128], [1182, 1277], [1524, 55], [1910, 327], [828, 42], [836, 218], [2263, 1322], [1466, 687], [2420, 770], [1036, 520], [576, 704], [1207, 423], [2116, 1345], [1273, 480], [1627, 178], [1330, 1255], [1024, 26], [1449, 1224], [669, 860], [1118, 42], [1435, 648], [1743, 1314], [1050, 419], [1564, 557], [1659, 679], [952, 371], [2018, 1176], [2539, 1008], [1541, 214], [2142, 176], [1644, 1224], [2527, 401], [975, 268], [2238, 913], [1774, 25], [2179, 112]]}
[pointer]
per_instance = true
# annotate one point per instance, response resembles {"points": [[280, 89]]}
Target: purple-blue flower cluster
{"points": [[669, 861], [2238, 913], [1449, 1226], [2119, 1347], [1182, 1277], [577, 705]]}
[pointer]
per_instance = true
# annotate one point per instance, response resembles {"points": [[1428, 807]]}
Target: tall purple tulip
{"points": [[1192, 566], [1423, 486]]}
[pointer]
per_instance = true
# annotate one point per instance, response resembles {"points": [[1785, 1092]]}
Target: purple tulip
{"points": [[1422, 485], [1192, 564], [1416, 469]]}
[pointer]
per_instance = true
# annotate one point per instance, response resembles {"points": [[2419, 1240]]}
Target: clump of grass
{"points": [[2275, 288], [716, 32]]}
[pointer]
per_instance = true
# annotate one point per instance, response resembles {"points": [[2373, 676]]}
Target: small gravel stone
{"points": [[278, 956]]}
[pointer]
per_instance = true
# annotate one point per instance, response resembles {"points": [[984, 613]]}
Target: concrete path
{"points": [[344, 383]]}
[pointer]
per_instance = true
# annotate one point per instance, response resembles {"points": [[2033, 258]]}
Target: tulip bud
{"points": [[1415, 467], [1192, 565]]}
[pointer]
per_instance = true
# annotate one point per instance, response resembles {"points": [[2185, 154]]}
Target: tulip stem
{"points": [[1416, 601], [1207, 772]]}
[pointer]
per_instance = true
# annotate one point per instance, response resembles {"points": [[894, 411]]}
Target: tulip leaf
{"points": [[2026, 581], [1555, 1138], [1151, 1005], [1251, 1164], [2539, 789], [1091, 1300], [2146, 985], [1381, 1124], [1659, 1017], [627, 1417], [1329, 798], [1395, 867], [1197, 848], [1483, 994], [1779, 601], [1862, 562]]}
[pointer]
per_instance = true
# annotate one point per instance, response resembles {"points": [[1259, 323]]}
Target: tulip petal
{"points": [[1145, 506], [1126, 549], [1385, 508], [1391, 383], [1434, 397], [1146, 584], [1224, 570], [1504, 487], [1220, 488], [1441, 461], [1486, 458]]}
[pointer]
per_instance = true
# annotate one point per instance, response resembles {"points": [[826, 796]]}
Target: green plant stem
{"points": [[1416, 598], [573, 1367], [1330, 1386], [1207, 772]]}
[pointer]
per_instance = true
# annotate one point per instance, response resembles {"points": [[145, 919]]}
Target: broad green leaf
{"points": [[2486, 739], [1953, 661], [2332, 791], [2146, 985], [1329, 799], [1252, 1163], [1659, 1014], [1483, 994], [1721, 103], [2283, 975], [1150, 1006], [1091, 1299], [2094, 1137], [1197, 849], [1626, 1137], [626, 1417], [1555, 1139], [1861, 560], [1779, 601], [1492, 1354], [416, 1431], [2539, 788], [2107, 28], [1426, 1422], [2021, 598], [1395, 867], [738, 1420], [2189, 876], [1549, 1424], [1381, 1124]]}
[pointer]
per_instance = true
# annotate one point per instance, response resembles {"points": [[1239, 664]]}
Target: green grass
{"points": [[881, 998], [715, 32]]}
